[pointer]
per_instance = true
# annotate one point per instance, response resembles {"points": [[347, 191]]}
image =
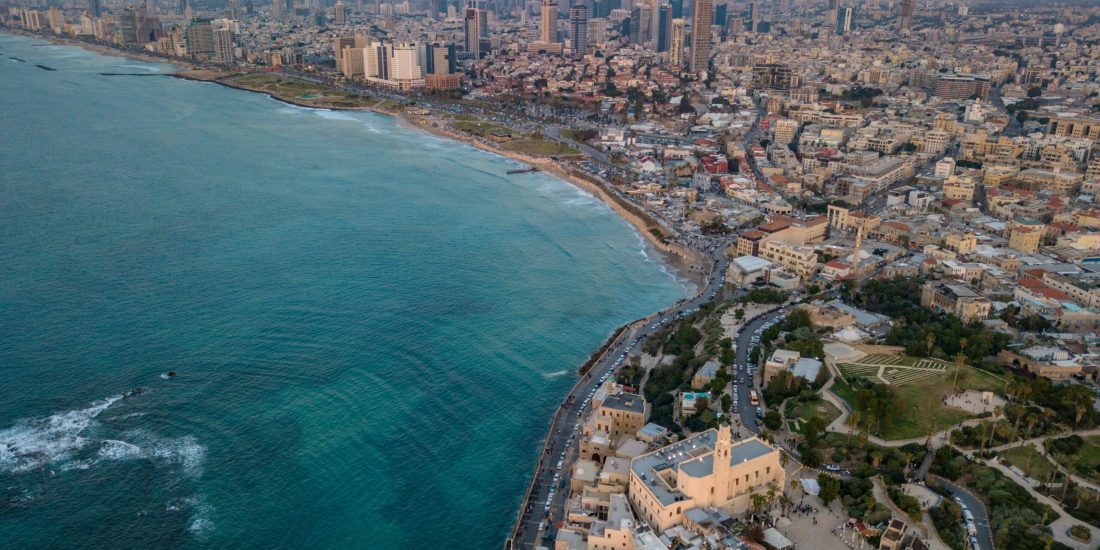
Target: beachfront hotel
{"points": [[705, 470]]}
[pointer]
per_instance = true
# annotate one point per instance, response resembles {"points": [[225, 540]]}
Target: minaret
{"points": [[722, 491]]}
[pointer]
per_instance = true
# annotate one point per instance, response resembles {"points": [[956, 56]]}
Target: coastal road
{"points": [[976, 507], [551, 484]]}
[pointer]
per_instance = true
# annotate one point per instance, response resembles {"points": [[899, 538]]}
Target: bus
{"points": [[753, 398]]}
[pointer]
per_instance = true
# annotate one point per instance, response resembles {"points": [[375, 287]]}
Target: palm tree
{"points": [[959, 360], [876, 457], [908, 458], [1020, 411], [1079, 412], [758, 501], [1048, 414], [1023, 391], [1071, 462], [997, 411], [930, 342], [853, 423], [1031, 420]]}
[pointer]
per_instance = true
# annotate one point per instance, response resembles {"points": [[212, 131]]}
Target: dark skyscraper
{"points": [[844, 20], [578, 28], [664, 27], [677, 8], [720, 11], [94, 8]]}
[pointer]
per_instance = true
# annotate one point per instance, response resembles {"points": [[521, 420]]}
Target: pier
{"points": [[523, 170]]}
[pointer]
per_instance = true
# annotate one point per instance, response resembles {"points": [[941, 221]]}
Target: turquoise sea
{"points": [[371, 326]]}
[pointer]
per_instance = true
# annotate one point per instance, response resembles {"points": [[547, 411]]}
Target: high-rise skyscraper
{"points": [[844, 20], [754, 15], [224, 46], [905, 14], [548, 24], [471, 21], [641, 22], [701, 18], [94, 8], [677, 8], [578, 28], [676, 41], [440, 59], [664, 27], [338, 13], [200, 38], [277, 8]]}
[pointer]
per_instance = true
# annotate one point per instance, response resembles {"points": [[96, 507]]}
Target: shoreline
{"points": [[687, 263]]}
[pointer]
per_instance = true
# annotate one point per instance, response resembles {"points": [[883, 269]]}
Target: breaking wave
{"points": [[34, 443], [62, 439]]}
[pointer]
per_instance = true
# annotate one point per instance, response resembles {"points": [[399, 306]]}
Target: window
{"points": [[768, 470]]}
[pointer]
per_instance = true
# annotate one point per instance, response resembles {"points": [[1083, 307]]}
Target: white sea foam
{"points": [[34, 443], [113, 449], [344, 116], [146, 68], [183, 451], [201, 521], [555, 374], [38, 442]]}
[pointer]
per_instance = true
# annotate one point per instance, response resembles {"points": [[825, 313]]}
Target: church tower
{"points": [[722, 482]]}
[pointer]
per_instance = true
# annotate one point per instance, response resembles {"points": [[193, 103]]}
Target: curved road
{"points": [[976, 507], [565, 430]]}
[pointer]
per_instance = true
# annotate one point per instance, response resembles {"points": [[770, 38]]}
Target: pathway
{"points": [[1040, 443], [1060, 527]]}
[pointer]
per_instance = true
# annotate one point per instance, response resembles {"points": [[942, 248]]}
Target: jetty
{"points": [[523, 170]]}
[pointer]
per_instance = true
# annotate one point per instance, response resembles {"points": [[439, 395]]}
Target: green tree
{"points": [[812, 429], [830, 488]]}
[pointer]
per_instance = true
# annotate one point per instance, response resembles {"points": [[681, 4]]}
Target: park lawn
{"points": [[538, 147], [923, 407], [844, 391], [921, 402], [1028, 459], [1088, 459], [802, 411], [481, 129], [301, 91]]}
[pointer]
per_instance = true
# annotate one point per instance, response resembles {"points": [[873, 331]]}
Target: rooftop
{"points": [[625, 402], [696, 456]]}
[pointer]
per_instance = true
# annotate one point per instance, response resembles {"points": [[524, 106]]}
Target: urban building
{"points": [[705, 470]]}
